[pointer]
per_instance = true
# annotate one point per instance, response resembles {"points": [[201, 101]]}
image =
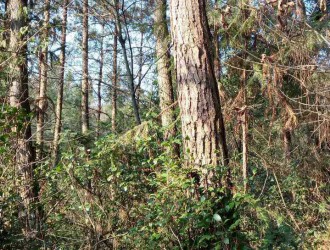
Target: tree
{"points": [[99, 84], [19, 98], [202, 123], [42, 99], [85, 83], [128, 64], [59, 102], [166, 93], [114, 81]]}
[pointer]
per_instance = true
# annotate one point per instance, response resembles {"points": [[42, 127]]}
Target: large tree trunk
{"points": [[202, 123], [166, 93], [59, 103], [42, 99], [19, 98], [85, 84], [114, 82], [99, 85]]}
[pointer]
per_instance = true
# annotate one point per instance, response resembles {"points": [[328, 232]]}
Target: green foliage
{"points": [[132, 195]]}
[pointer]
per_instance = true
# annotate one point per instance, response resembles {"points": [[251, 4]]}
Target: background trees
{"points": [[150, 167]]}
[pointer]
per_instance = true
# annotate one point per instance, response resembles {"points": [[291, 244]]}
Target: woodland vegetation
{"points": [[154, 124]]}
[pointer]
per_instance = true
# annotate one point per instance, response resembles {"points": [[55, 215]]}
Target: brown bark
{"points": [[99, 97], [114, 82], [85, 84], [217, 63], [42, 99], [59, 103], [202, 123], [19, 98], [166, 93]]}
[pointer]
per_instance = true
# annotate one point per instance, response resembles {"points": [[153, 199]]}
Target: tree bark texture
{"points": [[59, 102], [198, 96], [42, 99], [19, 98], [166, 93], [85, 84]]}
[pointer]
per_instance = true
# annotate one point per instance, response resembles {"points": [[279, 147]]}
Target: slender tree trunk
{"points": [[244, 112], [245, 128], [138, 87], [216, 35], [19, 98], [129, 69], [99, 97], [114, 82], [202, 123], [166, 93], [59, 102], [217, 56], [85, 84], [42, 99]]}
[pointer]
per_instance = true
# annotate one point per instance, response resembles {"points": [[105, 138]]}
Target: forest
{"points": [[164, 124]]}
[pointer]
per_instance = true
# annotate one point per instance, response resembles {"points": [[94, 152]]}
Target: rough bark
{"points": [[166, 93], [217, 63], [114, 82], [59, 102], [85, 84], [99, 86], [202, 123], [19, 98], [42, 99]]}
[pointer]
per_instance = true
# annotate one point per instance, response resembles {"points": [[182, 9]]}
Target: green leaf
{"points": [[217, 217], [226, 241]]}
